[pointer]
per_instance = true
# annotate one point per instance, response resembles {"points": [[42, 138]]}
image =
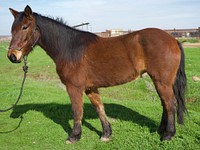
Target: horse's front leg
{"points": [[76, 97]]}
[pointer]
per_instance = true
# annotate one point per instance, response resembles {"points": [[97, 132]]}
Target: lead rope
{"points": [[25, 69]]}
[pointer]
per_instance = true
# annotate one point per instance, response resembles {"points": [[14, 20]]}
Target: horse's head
{"points": [[25, 34]]}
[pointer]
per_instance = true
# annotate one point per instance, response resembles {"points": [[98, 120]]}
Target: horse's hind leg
{"points": [[167, 126], [94, 97]]}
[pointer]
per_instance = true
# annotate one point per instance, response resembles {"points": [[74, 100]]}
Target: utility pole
{"points": [[82, 24]]}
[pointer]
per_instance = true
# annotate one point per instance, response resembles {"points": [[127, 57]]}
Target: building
{"points": [[184, 33], [112, 33]]}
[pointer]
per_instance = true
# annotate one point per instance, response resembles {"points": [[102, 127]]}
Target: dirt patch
{"points": [[191, 100], [42, 77], [191, 45]]}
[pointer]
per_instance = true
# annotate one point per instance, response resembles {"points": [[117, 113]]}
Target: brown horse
{"points": [[86, 62]]}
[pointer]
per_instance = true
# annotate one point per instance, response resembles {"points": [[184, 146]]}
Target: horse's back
{"points": [[112, 61]]}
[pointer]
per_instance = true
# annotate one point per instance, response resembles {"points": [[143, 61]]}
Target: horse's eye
{"points": [[24, 27]]}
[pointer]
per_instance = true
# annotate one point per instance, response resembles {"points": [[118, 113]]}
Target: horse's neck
{"points": [[56, 39], [62, 42]]}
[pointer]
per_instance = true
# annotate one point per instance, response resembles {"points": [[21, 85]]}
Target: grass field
{"points": [[43, 118]]}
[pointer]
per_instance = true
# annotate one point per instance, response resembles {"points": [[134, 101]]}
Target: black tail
{"points": [[179, 87]]}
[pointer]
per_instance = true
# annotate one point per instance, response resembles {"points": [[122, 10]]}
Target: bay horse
{"points": [[86, 62]]}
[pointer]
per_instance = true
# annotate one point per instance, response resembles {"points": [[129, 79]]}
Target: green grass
{"points": [[133, 109]]}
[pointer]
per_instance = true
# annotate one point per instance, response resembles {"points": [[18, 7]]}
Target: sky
{"points": [[110, 14]]}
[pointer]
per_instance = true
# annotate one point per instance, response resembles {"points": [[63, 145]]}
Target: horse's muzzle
{"points": [[14, 57]]}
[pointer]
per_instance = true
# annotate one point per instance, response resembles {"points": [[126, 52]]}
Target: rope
{"points": [[5, 132], [25, 69]]}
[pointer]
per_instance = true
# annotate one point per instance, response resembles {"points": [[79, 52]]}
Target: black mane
{"points": [[61, 41]]}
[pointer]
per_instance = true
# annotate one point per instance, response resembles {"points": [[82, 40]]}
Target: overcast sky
{"points": [[110, 14]]}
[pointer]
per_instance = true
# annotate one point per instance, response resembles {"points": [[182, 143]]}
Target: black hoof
{"points": [[72, 140], [167, 136]]}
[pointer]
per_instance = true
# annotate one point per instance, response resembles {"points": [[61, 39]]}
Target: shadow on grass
{"points": [[61, 114]]}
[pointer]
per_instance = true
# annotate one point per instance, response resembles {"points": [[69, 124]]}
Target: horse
{"points": [[85, 62]]}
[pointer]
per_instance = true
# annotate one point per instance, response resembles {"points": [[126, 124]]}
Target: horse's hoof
{"points": [[105, 139], [167, 137], [69, 142]]}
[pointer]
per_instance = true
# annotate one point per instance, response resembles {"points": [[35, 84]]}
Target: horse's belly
{"points": [[114, 76]]}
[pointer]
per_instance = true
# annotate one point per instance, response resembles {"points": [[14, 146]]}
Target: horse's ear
{"points": [[28, 12], [14, 12]]}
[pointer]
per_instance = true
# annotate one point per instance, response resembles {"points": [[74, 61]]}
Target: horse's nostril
{"points": [[12, 58]]}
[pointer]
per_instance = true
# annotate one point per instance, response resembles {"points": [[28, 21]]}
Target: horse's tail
{"points": [[179, 87]]}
